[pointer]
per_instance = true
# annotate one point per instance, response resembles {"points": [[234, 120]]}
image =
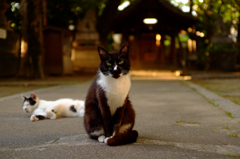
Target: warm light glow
{"points": [[201, 34], [124, 5], [117, 38], [178, 73], [24, 46], [232, 30], [189, 29], [158, 39], [73, 54], [74, 44], [185, 8], [194, 45], [131, 37], [150, 21], [186, 78], [190, 45], [71, 27]]}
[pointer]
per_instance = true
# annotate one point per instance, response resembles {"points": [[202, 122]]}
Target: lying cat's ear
{"points": [[34, 96], [23, 97], [124, 50], [104, 55]]}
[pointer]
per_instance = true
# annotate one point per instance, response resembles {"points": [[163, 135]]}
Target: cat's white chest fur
{"points": [[116, 90]]}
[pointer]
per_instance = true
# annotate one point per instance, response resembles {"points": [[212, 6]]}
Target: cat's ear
{"points": [[124, 50], [34, 96], [23, 97], [104, 55]]}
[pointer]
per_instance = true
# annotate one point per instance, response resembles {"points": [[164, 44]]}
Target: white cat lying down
{"points": [[42, 109]]}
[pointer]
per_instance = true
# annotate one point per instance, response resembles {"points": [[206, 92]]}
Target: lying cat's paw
{"points": [[101, 138], [53, 117], [51, 114], [34, 118]]}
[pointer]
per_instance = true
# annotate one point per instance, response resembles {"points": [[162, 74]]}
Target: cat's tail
{"points": [[123, 138]]}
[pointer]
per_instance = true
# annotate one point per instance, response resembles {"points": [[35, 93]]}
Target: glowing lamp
{"points": [[150, 21]]}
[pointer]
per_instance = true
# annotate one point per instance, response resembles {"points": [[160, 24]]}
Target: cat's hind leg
{"points": [[124, 134]]}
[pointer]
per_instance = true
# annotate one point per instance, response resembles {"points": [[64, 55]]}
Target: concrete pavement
{"points": [[174, 119]]}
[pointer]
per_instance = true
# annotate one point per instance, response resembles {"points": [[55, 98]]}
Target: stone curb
{"points": [[215, 99]]}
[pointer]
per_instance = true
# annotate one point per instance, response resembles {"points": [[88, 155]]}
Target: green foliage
{"points": [[233, 135], [183, 37], [13, 15], [229, 114], [60, 13], [225, 127], [208, 10], [216, 48]]}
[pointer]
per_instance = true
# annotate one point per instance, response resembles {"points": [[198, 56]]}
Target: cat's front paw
{"points": [[101, 138], [34, 118], [107, 138], [51, 114]]}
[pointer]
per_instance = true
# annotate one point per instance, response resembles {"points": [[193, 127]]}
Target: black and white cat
{"points": [[42, 109], [109, 116]]}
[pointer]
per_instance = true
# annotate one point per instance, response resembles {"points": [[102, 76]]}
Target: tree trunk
{"points": [[31, 14], [190, 6], [238, 36]]}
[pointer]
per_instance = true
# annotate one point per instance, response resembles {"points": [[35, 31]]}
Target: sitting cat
{"points": [[42, 109], [109, 116]]}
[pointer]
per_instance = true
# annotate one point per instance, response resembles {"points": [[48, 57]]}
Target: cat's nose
{"points": [[115, 68], [26, 110]]}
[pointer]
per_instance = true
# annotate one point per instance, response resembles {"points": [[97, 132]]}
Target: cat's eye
{"points": [[109, 64], [120, 63]]}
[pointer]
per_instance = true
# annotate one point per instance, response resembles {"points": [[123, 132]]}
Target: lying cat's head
{"points": [[114, 64], [31, 103]]}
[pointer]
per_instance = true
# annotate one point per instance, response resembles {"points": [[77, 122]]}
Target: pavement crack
{"points": [[54, 141], [218, 149], [83, 140]]}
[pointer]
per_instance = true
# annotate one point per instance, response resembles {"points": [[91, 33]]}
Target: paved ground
{"points": [[174, 118], [227, 88], [10, 86]]}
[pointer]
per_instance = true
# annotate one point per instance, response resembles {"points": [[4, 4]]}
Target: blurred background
{"points": [[41, 38]]}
